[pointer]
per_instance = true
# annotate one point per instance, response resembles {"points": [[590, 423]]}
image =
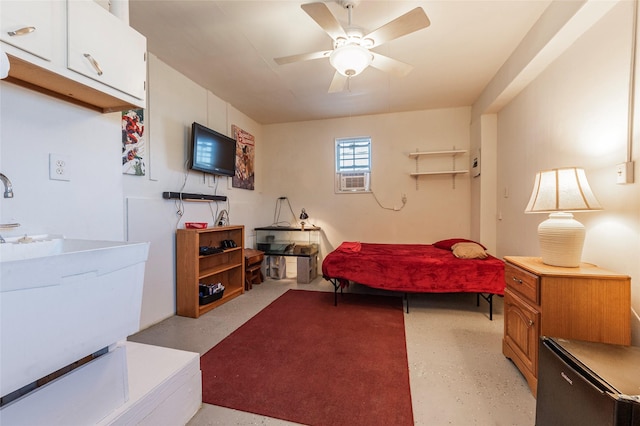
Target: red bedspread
{"points": [[413, 268]]}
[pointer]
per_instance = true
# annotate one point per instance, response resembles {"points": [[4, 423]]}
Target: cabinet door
{"points": [[587, 308], [521, 329], [106, 49], [28, 26]]}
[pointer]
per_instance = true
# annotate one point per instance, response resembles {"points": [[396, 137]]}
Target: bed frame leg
{"points": [[406, 297], [490, 307], [336, 285], [489, 299]]}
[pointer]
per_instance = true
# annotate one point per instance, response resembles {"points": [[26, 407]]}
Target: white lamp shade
{"points": [[350, 60], [562, 190], [558, 192]]}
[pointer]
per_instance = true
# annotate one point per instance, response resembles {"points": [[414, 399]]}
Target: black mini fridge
{"points": [[586, 383]]}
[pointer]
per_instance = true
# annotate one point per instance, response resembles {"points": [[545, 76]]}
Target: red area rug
{"points": [[304, 360]]}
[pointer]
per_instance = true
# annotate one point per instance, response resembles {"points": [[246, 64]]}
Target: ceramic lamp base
{"points": [[561, 239]]}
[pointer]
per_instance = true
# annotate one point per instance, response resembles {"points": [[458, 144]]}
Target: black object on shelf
{"points": [[206, 250], [205, 300], [190, 196], [227, 244], [210, 293]]}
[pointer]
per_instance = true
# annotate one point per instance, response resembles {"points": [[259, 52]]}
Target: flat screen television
{"points": [[212, 152]]}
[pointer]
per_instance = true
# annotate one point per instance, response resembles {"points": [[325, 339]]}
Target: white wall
{"points": [[293, 160], [575, 114], [299, 163], [484, 141], [99, 202], [90, 205], [174, 103]]}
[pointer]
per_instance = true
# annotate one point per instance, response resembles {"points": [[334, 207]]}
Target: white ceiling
{"points": [[228, 47]]}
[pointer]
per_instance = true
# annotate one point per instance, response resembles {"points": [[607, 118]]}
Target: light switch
{"points": [[624, 172]]}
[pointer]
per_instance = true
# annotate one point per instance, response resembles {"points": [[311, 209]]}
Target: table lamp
{"points": [[303, 216], [559, 192]]}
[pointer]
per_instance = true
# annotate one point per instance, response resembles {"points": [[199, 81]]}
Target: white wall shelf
{"points": [[453, 172], [452, 152], [440, 172]]}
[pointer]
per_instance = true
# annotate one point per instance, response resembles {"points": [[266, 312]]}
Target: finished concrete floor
{"points": [[457, 372]]}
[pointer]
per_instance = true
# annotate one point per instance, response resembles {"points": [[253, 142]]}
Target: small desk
{"points": [[252, 268], [285, 241]]}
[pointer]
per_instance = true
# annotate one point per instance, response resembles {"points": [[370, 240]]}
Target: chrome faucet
{"points": [[8, 188], [8, 193]]}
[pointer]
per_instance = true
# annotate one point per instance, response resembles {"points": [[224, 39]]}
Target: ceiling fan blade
{"points": [[338, 83], [320, 13], [390, 65], [302, 57], [411, 21]]}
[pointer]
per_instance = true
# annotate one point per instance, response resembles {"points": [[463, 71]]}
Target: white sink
{"points": [[63, 299]]}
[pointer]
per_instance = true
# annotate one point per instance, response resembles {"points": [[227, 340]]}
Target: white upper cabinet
{"points": [[74, 50], [28, 25], [104, 48]]}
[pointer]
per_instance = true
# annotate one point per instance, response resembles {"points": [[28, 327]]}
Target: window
{"points": [[353, 164], [353, 154]]}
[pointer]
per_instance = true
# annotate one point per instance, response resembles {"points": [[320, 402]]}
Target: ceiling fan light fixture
{"points": [[367, 43], [350, 60]]}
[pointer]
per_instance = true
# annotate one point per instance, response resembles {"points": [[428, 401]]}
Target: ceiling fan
{"points": [[351, 52]]}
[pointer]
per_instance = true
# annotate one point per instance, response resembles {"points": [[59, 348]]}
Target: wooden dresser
{"points": [[584, 303]]}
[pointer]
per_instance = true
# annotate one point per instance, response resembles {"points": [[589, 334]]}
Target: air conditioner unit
{"points": [[352, 182]]}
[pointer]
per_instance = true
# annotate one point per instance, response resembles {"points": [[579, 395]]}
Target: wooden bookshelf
{"points": [[192, 268]]}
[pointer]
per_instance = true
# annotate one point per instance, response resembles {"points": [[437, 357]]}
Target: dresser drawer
{"points": [[522, 282]]}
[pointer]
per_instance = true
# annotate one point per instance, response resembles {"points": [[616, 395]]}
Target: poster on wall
{"points": [[245, 157], [133, 142]]}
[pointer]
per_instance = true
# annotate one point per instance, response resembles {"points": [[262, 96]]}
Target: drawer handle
{"points": [[95, 63], [519, 281], [21, 31]]}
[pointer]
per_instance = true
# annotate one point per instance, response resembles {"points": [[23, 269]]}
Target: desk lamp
{"points": [[303, 216]]}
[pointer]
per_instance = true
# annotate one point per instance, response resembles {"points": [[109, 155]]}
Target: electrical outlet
{"points": [[59, 167], [624, 172]]}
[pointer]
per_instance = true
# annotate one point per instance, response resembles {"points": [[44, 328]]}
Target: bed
{"points": [[417, 268]]}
